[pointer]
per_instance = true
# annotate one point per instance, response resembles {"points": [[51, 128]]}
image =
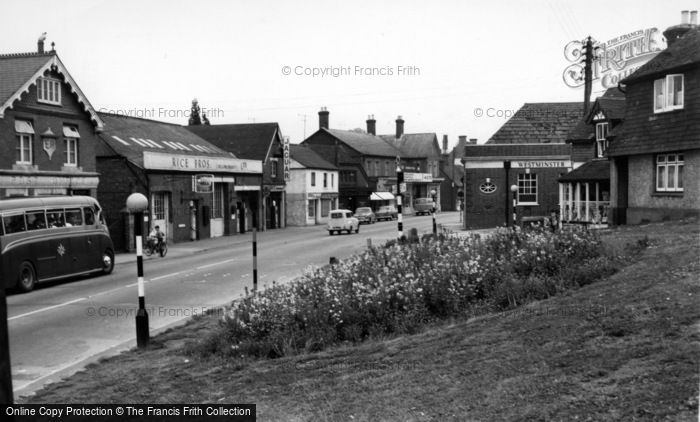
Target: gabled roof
{"points": [[414, 145], [539, 123], [594, 170], [308, 158], [130, 137], [611, 104], [683, 52], [18, 72], [365, 143], [500, 152], [247, 140]]}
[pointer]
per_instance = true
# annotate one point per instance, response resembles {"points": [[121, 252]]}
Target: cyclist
{"points": [[158, 236]]}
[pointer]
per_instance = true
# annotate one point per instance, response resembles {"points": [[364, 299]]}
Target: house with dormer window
{"points": [[48, 128], [584, 193], [655, 154]]}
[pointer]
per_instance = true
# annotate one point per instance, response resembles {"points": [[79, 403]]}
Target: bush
{"points": [[401, 286]]}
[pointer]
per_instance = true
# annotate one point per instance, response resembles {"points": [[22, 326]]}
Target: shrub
{"points": [[401, 286]]}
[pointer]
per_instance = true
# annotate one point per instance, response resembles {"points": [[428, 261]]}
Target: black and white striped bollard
{"points": [[142, 334]]}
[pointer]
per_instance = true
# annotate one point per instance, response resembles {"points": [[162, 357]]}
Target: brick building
{"points": [[47, 128], [655, 154], [527, 152], [259, 142], [195, 189]]}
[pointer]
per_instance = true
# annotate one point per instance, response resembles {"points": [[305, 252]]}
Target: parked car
{"points": [[387, 212], [365, 215], [341, 220], [423, 206]]}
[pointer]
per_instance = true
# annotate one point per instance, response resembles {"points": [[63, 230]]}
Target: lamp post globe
{"points": [[513, 188], [136, 202]]}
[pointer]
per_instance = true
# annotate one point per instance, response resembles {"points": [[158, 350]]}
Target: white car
{"points": [[341, 220]]}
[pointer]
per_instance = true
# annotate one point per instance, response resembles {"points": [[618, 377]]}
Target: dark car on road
{"points": [[365, 215], [423, 206], [387, 212]]}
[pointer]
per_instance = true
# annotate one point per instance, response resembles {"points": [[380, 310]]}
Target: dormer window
{"points": [[668, 93], [48, 91], [601, 134]]}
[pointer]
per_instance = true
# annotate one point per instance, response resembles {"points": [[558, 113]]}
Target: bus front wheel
{"points": [[107, 262], [27, 277]]}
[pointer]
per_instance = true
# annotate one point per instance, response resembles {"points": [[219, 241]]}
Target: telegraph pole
{"points": [[588, 74]]}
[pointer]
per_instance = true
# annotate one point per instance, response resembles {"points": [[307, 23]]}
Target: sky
{"points": [[435, 63]]}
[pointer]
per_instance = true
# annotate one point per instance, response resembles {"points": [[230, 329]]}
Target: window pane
{"points": [[312, 208], [89, 216], [660, 179], [74, 217], [36, 220], [659, 94], [680, 177], [677, 90], [14, 223], [671, 177], [55, 218]]}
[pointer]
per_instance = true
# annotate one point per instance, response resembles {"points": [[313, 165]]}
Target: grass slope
{"points": [[627, 347]]}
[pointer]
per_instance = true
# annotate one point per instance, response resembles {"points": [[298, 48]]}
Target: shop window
{"points": [[312, 208], [325, 207], [669, 172], [48, 91], [313, 178], [218, 208], [527, 189], [668, 93]]}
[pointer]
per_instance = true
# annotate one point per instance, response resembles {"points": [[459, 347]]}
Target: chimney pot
{"points": [[684, 17], [694, 17], [371, 125], [323, 118], [444, 143], [399, 127], [462, 139], [472, 140]]}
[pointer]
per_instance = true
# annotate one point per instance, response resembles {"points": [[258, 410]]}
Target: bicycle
{"points": [[152, 246]]}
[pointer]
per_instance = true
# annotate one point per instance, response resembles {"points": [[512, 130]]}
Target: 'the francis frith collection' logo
{"points": [[615, 59]]}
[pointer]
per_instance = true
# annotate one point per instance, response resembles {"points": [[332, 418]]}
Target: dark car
{"points": [[387, 212], [423, 206], [365, 215]]}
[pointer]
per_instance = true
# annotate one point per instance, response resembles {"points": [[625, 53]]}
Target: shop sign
{"points": [[418, 177], [286, 158], [198, 163], [203, 183], [535, 164]]}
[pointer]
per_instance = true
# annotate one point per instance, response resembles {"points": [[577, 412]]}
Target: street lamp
{"points": [[136, 203], [433, 193], [514, 189]]}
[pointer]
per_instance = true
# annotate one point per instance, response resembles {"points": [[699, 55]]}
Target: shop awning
{"points": [[381, 196]]}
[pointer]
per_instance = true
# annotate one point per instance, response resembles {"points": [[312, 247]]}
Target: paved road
{"points": [[57, 329]]}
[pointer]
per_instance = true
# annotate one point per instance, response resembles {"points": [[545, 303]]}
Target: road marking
{"points": [[165, 276], [47, 308], [215, 264]]}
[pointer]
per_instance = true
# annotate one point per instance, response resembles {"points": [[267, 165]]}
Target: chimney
{"points": [[399, 127], [462, 140], [472, 141], [444, 144], [323, 118], [689, 20], [371, 125], [40, 43]]}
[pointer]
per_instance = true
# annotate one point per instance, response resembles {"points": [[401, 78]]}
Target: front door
{"points": [[160, 204]]}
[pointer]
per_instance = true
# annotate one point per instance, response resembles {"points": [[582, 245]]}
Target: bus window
{"points": [[13, 223], [74, 217], [89, 216], [55, 218], [36, 220]]}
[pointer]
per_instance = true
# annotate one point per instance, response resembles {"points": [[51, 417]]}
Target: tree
{"points": [[194, 114], [205, 121]]}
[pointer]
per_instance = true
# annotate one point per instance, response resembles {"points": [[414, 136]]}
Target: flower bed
{"points": [[401, 286]]}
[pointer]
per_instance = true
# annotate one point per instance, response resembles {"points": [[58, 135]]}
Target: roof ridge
{"points": [[27, 54], [125, 116]]}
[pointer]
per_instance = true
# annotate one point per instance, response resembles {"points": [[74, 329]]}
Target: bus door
{"points": [[85, 251], [42, 251], [60, 243]]}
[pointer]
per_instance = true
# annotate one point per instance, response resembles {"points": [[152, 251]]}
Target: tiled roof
{"points": [[248, 140], [539, 123], [20, 71], [17, 69], [594, 170], [515, 151], [308, 158], [131, 136], [415, 145], [611, 103], [365, 143], [684, 51]]}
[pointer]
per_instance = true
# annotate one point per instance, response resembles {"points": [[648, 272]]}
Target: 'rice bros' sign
{"points": [[163, 161], [614, 59]]}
